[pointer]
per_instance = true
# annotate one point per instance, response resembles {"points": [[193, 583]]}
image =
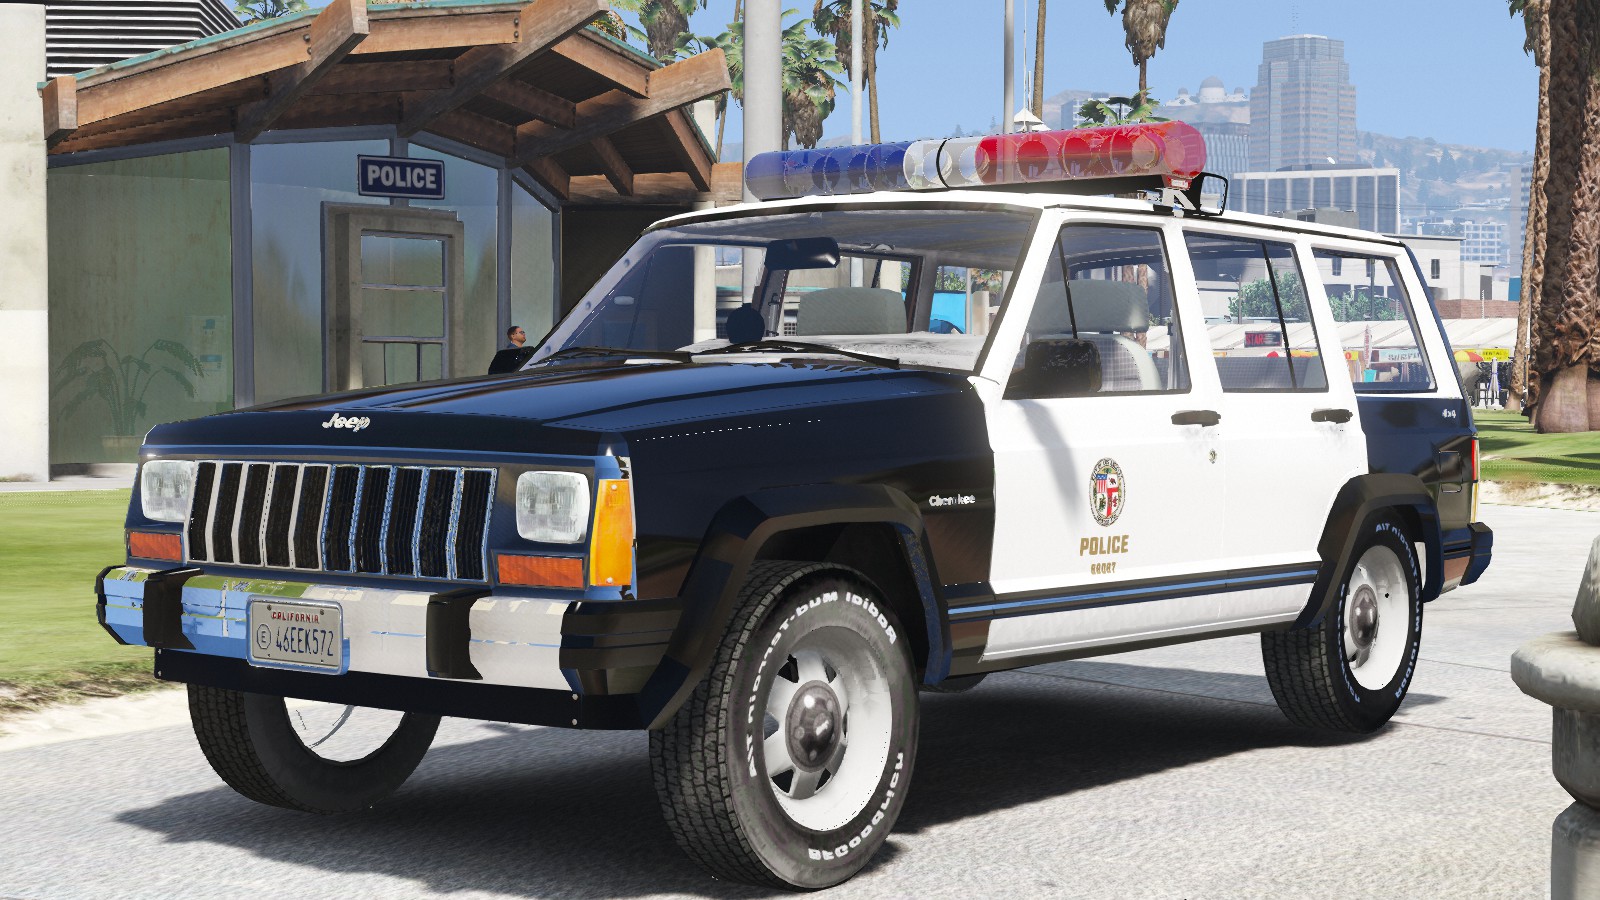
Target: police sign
{"points": [[414, 179]]}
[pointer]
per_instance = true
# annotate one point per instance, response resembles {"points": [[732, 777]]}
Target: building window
{"points": [[1433, 268], [141, 300]]}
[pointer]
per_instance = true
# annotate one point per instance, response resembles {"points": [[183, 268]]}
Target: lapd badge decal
{"points": [[1109, 492]]}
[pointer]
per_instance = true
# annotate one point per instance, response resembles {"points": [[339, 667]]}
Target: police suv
{"points": [[932, 410]]}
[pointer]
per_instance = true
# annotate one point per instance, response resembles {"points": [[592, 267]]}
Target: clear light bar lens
{"points": [[165, 486], [1172, 150], [553, 507]]}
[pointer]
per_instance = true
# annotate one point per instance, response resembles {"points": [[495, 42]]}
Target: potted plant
{"points": [[97, 369]]}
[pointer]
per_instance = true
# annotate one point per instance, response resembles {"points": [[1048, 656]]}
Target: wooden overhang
{"points": [[589, 117]]}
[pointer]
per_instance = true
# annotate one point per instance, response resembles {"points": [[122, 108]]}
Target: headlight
{"points": [[165, 486], [553, 507]]}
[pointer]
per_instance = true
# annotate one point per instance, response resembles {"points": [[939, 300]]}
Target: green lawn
{"points": [[52, 544], [1522, 455]]}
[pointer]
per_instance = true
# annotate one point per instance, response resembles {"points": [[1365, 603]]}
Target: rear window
{"points": [[1377, 328]]}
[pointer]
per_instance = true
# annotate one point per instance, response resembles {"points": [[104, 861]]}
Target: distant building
{"points": [[1223, 118], [1522, 198], [1481, 241], [81, 35], [1061, 110], [1303, 107], [1372, 194]]}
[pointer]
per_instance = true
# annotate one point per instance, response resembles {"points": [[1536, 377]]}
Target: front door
{"points": [[1106, 503], [394, 296]]}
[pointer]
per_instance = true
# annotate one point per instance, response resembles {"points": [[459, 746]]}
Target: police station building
{"points": [[357, 195]]}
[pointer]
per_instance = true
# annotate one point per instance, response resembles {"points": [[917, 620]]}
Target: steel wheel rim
{"points": [[1376, 618], [340, 733], [836, 691]]}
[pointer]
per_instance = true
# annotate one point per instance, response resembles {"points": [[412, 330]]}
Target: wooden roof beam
{"points": [[676, 85], [542, 23], [615, 169], [622, 73], [335, 31], [689, 149], [60, 97], [549, 173], [533, 102]]}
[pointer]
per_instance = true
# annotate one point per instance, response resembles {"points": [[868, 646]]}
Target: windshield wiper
{"points": [[782, 344], [608, 352]]}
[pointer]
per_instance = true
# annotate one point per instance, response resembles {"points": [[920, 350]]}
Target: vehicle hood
{"points": [[555, 410]]}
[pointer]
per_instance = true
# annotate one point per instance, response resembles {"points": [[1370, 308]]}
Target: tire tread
{"points": [[687, 758]]}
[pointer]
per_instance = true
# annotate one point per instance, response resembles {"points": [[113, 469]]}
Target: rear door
{"points": [[1289, 434]]}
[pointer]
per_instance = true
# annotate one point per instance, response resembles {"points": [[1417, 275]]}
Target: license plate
{"points": [[284, 632]]}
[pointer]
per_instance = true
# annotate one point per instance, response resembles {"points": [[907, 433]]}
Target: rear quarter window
{"points": [[1377, 324]]}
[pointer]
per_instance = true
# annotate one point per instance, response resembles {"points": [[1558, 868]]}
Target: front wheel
{"points": [[1350, 672], [789, 764], [313, 757]]}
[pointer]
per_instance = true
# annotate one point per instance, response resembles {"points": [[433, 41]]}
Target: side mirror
{"points": [[1060, 367]]}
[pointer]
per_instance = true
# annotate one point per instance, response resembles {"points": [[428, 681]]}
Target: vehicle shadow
{"points": [[540, 812]]}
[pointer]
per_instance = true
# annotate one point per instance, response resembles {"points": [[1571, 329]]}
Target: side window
{"points": [[1106, 306], [1377, 328], [1258, 317]]}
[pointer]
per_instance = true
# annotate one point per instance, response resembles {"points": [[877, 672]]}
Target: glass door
{"points": [[404, 307]]}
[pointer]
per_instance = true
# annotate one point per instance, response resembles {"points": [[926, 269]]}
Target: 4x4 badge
{"points": [[1110, 492]]}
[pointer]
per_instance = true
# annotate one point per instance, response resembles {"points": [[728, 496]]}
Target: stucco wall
{"points": [[24, 337]]}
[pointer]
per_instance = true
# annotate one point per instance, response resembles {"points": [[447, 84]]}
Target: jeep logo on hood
{"points": [[354, 423]]}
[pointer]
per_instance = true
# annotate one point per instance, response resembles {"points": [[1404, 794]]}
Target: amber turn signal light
{"points": [[611, 538], [540, 571], [149, 545]]}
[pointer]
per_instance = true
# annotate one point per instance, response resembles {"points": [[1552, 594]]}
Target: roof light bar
{"points": [[1174, 152]]}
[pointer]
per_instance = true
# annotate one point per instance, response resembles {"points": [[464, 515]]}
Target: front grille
{"points": [[422, 521]]}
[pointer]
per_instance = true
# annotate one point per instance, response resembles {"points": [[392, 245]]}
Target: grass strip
{"points": [[52, 544], [1513, 452]]}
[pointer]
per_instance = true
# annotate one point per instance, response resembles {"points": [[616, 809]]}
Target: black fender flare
{"points": [[1356, 501], [728, 550]]}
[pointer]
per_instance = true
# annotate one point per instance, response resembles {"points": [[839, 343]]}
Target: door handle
{"points": [[1340, 416], [1196, 417]]}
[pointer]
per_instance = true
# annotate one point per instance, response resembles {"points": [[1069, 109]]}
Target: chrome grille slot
{"points": [[421, 521], [308, 515], [401, 534], [341, 514], [247, 531], [205, 483], [433, 529], [374, 515], [226, 506], [280, 510], [472, 517]]}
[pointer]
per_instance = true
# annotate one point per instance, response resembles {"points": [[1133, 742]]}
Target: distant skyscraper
{"points": [[1524, 194], [1372, 194], [1303, 107]]}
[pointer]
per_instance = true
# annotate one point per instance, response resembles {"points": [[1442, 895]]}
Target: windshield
{"points": [[918, 287]]}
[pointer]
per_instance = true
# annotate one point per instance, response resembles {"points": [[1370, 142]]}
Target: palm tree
{"points": [[1536, 44], [1562, 306], [1144, 25], [832, 19], [261, 10], [665, 22], [810, 79], [1038, 64], [731, 43]]}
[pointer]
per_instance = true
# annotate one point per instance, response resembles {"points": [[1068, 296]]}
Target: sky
{"points": [[1452, 70]]}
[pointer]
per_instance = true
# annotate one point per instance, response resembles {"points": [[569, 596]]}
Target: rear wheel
{"points": [[313, 757], [1350, 672], [789, 764]]}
